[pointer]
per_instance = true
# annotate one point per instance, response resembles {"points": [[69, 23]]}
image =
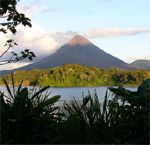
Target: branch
{"points": [[6, 23], [5, 51], [25, 54], [4, 16], [3, 63], [9, 61]]}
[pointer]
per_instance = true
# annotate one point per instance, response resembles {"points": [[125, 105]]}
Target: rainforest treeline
{"points": [[70, 75]]}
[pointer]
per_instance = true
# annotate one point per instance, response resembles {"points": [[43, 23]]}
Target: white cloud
{"points": [[129, 59], [113, 32], [30, 10], [36, 39], [147, 36], [37, 9], [25, 10], [41, 9], [61, 37], [13, 65]]}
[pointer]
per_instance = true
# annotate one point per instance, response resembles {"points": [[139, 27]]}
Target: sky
{"points": [[119, 27]]}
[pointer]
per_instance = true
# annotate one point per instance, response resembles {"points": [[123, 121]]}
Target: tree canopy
{"points": [[11, 18], [77, 75]]}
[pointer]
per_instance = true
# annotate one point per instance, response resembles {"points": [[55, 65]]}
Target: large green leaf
{"points": [[13, 84], [85, 101], [120, 91], [39, 92], [144, 88], [19, 88], [50, 101], [4, 107], [8, 89]]}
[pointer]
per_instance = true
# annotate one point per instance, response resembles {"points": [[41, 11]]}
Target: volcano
{"points": [[79, 50]]}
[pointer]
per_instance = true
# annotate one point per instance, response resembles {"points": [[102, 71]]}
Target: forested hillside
{"points": [[143, 63], [77, 75]]}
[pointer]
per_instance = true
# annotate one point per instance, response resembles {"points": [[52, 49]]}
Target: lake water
{"points": [[68, 93]]}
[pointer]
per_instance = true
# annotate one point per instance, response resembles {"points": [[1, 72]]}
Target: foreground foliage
{"points": [[28, 117], [78, 75], [121, 120]]}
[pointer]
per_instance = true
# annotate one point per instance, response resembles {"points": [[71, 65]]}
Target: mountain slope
{"points": [[79, 50], [143, 63]]}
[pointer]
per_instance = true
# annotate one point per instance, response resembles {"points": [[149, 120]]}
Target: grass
{"points": [[28, 117]]}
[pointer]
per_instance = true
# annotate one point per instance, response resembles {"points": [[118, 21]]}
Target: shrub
{"points": [[28, 117], [121, 120]]}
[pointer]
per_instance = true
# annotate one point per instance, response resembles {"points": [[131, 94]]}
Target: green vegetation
{"points": [[77, 75], [122, 120], [28, 117], [11, 19]]}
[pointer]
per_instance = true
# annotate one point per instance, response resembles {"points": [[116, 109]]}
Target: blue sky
{"points": [[79, 15], [119, 27]]}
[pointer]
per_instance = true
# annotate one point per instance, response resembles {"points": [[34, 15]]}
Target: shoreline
{"points": [[76, 86]]}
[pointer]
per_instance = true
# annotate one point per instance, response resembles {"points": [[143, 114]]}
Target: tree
{"points": [[11, 19]]}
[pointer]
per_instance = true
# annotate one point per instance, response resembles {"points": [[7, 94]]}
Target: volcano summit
{"points": [[79, 50]]}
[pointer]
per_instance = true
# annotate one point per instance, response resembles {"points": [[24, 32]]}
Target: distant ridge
{"points": [[79, 50], [142, 63]]}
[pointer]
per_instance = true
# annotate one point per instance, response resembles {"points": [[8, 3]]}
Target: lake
{"points": [[68, 93]]}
